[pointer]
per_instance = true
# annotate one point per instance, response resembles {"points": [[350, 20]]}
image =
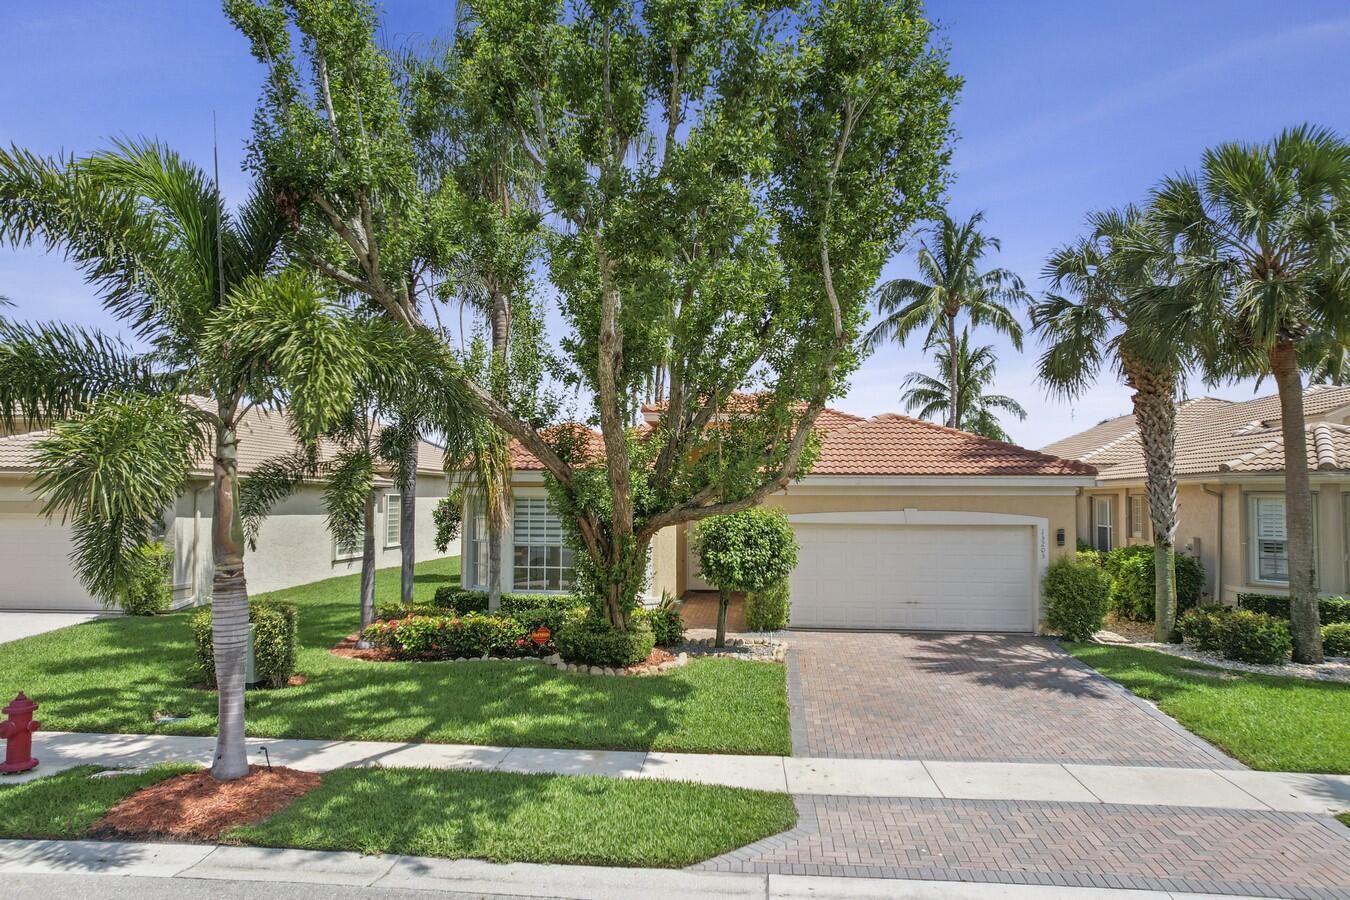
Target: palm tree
{"points": [[152, 233], [1261, 232], [976, 411], [950, 283], [1100, 313]]}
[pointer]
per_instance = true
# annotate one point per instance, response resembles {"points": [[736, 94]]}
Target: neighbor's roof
{"points": [[895, 445], [263, 435], [1218, 436]]}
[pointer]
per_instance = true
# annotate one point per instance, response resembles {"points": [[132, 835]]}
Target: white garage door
{"points": [[35, 570], [925, 577]]}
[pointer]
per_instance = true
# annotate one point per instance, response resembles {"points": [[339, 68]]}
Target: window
{"points": [[393, 520], [541, 561], [1103, 517], [1137, 516], [349, 550], [1268, 539], [476, 543]]}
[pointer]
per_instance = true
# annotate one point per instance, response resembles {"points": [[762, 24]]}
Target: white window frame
{"points": [[535, 528], [1109, 502], [475, 546], [1137, 516], [1253, 541], [393, 520], [359, 543]]}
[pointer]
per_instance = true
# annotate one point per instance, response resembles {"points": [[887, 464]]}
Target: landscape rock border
{"points": [[749, 649], [642, 669]]}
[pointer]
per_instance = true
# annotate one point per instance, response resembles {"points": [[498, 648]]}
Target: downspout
{"points": [[1218, 564]]}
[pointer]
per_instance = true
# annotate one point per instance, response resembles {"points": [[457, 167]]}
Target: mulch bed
{"points": [[347, 649], [654, 659], [198, 807]]}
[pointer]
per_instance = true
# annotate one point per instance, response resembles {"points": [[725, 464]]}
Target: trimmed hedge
{"points": [[1330, 610], [150, 588], [1132, 590], [453, 637], [1238, 634], [463, 600], [767, 609], [1336, 639], [595, 642], [666, 623], [274, 642], [1076, 595]]}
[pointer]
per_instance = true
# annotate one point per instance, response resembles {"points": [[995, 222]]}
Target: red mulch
{"points": [[196, 806], [655, 659], [347, 649]]}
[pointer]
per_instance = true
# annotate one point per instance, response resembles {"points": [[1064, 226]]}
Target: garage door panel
{"points": [[37, 569], [943, 578]]}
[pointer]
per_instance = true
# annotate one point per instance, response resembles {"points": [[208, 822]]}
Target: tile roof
{"points": [[263, 434], [895, 445], [1216, 436]]}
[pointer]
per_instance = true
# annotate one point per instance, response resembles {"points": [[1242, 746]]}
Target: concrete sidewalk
{"points": [[55, 864], [1122, 785]]}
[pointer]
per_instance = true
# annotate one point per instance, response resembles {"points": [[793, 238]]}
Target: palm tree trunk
{"points": [[407, 528], [1304, 624], [501, 328], [368, 566], [953, 374], [1155, 414], [229, 600]]}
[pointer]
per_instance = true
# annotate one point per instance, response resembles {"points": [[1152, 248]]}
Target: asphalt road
{"points": [[112, 887]]}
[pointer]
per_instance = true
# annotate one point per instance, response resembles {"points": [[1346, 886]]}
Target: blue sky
{"points": [[1068, 106]]}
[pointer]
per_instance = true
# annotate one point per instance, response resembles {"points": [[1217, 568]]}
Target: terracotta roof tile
{"points": [[1215, 436]]}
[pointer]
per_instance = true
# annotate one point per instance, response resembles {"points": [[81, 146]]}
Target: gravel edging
{"points": [[1335, 668]]}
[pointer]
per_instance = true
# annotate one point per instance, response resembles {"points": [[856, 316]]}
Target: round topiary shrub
{"points": [[1336, 639], [745, 551], [596, 642], [767, 609], [1076, 597]]}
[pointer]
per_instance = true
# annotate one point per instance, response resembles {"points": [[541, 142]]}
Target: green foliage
{"points": [[461, 600], [464, 600], [593, 641], [1330, 610], [1238, 634], [447, 516], [746, 551], [1076, 598], [929, 396], [766, 609], [1336, 639], [451, 637], [666, 622], [1088, 555], [1134, 579], [275, 631], [150, 589]]}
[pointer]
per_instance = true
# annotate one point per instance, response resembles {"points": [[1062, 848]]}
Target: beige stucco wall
{"points": [[294, 546], [1212, 525]]}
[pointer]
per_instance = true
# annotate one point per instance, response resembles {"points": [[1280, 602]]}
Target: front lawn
{"points": [[500, 816], [1269, 723], [113, 675]]}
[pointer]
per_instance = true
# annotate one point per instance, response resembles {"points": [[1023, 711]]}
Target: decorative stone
{"points": [[460, 659], [596, 670], [683, 658]]}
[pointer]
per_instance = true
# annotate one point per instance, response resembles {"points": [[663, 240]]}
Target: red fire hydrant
{"points": [[17, 730]]}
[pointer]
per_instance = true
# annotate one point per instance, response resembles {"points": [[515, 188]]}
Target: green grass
{"points": [[1345, 819], [506, 817], [112, 675], [67, 804], [1270, 723]]}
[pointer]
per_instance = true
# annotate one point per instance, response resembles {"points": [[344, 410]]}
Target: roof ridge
{"points": [[1113, 443], [979, 437]]}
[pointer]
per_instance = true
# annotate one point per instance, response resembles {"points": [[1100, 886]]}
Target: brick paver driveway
{"points": [[1004, 698]]}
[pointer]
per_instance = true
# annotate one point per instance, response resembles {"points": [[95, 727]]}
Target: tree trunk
{"points": [[1304, 624], [407, 529], [1155, 415], [229, 601], [501, 331], [723, 601], [368, 571], [953, 374]]}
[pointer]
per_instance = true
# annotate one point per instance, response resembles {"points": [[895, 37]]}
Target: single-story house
{"points": [[1230, 490], [902, 524], [294, 545]]}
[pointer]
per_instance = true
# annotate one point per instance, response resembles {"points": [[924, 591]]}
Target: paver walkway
{"points": [[1211, 851], [1004, 698]]}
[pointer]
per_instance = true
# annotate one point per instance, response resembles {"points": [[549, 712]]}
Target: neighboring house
{"points": [[294, 546], [1230, 496], [901, 524]]}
